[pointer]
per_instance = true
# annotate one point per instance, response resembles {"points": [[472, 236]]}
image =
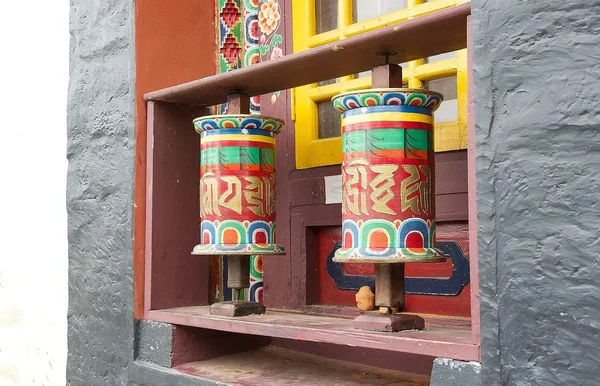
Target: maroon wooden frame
{"points": [[172, 207], [176, 285]]}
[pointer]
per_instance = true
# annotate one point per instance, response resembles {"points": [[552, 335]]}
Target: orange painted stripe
{"points": [[422, 154], [251, 167]]}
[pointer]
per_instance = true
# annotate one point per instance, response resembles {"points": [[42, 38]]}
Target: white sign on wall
{"points": [[333, 189]]}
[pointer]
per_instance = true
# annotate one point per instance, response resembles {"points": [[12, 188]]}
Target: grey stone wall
{"points": [[537, 94], [449, 372], [99, 192]]}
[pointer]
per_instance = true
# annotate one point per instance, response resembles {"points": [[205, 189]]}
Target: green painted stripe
{"points": [[229, 155], [237, 155], [353, 141], [249, 155], [267, 157], [210, 156], [385, 139], [417, 139]]}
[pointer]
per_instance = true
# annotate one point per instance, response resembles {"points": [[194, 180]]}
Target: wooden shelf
{"points": [[447, 342], [436, 33], [272, 366]]}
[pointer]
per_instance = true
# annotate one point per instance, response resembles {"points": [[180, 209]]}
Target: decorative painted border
{"points": [[451, 286], [238, 249], [387, 97], [356, 241], [237, 121]]}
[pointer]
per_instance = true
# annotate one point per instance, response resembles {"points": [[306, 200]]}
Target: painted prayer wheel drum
{"points": [[237, 185], [388, 195]]}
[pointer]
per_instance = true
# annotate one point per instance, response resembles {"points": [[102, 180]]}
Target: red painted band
{"points": [[386, 125], [236, 143]]}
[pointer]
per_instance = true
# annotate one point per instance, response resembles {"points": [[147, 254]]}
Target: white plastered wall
{"points": [[34, 54]]}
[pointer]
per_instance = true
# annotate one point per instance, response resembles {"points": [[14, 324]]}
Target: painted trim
{"points": [[472, 197], [446, 342], [312, 151], [450, 286]]}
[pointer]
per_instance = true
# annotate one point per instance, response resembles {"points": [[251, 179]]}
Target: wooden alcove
{"points": [[176, 286]]}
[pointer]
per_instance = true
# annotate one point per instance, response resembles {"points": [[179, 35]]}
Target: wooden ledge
{"points": [[272, 366], [436, 33], [436, 340]]}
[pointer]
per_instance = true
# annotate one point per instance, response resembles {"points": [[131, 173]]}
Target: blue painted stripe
{"points": [[264, 133], [388, 109], [451, 286]]}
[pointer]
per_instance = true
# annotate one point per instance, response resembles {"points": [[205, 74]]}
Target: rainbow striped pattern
{"points": [[237, 184], [215, 155], [388, 172], [387, 132]]}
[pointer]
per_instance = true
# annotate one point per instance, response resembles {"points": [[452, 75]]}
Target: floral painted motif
{"points": [[276, 53], [268, 17], [269, 21]]}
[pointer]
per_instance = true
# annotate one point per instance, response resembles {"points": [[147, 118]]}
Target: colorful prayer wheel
{"points": [[388, 174], [237, 184]]}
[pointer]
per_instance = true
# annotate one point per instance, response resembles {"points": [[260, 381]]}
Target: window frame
{"points": [[312, 151]]}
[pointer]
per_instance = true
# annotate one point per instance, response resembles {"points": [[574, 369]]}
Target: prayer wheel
{"points": [[388, 175], [237, 184], [237, 197]]}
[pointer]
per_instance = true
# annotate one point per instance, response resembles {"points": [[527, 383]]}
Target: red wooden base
{"points": [[444, 337], [237, 308], [389, 323]]}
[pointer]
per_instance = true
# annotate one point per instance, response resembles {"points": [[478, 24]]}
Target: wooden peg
{"points": [[389, 278], [389, 285], [387, 76], [238, 103]]}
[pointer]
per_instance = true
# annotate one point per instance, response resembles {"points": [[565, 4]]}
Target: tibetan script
{"points": [[374, 188], [227, 191]]}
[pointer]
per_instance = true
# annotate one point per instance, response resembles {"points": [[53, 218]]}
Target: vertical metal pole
{"points": [[238, 274], [389, 278]]}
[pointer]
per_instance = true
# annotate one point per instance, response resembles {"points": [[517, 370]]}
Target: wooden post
{"points": [[389, 278], [238, 103], [238, 266], [237, 195]]}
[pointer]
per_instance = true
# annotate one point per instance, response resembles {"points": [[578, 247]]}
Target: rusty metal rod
{"points": [[238, 274]]}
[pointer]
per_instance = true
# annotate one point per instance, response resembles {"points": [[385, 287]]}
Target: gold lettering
{"points": [[270, 194], [425, 190], [408, 186], [355, 198], [232, 198], [381, 185], [422, 200], [254, 194], [209, 193]]}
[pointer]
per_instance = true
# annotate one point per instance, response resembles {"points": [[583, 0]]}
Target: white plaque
{"points": [[333, 189]]}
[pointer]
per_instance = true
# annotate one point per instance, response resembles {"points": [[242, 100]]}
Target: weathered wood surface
{"points": [[172, 208], [162, 59], [389, 323], [277, 366], [191, 344], [445, 342], [345, 312], [472, 199], [429, 35]]}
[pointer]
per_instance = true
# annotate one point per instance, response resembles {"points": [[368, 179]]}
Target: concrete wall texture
{"points": [[537, 92], [99, 192]]}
